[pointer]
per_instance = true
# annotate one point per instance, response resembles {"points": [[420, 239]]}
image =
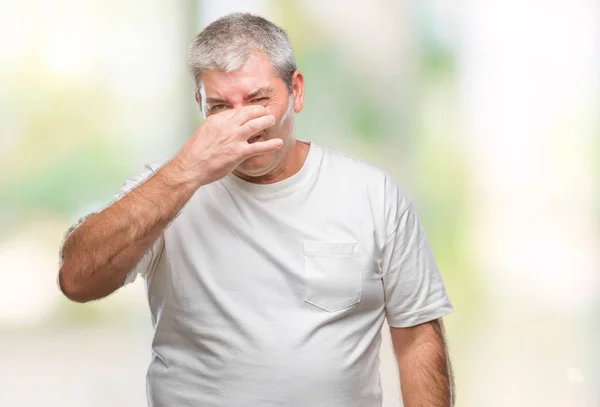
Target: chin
{"points": [[256, 166]]}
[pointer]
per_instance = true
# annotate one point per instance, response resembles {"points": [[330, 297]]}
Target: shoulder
{"points": [[386, 196], [362, 172]]}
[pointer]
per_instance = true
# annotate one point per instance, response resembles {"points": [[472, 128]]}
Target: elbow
{"points": [[69, 288]]}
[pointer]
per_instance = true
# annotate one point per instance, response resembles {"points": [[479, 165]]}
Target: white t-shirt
{"points": [[274, 295]]}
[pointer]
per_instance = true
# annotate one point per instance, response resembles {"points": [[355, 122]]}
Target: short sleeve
{"points": [[149, 260], [414, 289]]}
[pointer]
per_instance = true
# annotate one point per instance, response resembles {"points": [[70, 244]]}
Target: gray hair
{"points": [[226, 44]]}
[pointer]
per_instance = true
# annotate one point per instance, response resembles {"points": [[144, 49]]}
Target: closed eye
{"points": [[258, 100]]}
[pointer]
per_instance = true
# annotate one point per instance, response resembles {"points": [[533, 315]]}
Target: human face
{"points": [[256, 83]]}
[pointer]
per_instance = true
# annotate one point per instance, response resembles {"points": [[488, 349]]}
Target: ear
{"points": [[197, 97], [298, 91]]}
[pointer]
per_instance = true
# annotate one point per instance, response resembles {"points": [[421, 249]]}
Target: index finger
{"points": [[248, 113]]}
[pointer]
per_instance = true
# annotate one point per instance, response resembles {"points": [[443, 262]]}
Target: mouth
{"points": [[254, 139]]}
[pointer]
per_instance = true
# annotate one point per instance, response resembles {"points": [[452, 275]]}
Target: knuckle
{"points": [[236, 152], [211, 121], [255, 110], [243, 115], [252, 126]]}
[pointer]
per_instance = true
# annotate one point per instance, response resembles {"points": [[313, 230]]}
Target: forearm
{"points": [[425, 369], [97, 256]]}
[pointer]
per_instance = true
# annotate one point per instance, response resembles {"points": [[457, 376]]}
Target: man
{"points": [[270, 262]]}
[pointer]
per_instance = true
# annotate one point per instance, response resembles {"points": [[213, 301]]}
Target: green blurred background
{"points": [[486, 111]]}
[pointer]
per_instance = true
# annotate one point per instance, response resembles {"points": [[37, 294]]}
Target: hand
{"points": [[220, 143]]}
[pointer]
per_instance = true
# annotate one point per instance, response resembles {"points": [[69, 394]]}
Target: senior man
{"points": [[270, 262]]}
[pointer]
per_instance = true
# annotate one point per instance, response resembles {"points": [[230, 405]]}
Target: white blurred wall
{"points": [[529, 84]]}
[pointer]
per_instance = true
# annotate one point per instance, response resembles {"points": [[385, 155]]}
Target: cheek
{"points": [[276, 129], [283, 123], [287, 115], [283, 112]]}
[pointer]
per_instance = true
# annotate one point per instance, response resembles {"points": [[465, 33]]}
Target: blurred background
{"points": [[486, 111]]}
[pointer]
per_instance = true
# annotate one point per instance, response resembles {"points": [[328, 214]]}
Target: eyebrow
{"points": [[264, 90]]}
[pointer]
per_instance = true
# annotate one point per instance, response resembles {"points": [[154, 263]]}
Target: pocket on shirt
{"points": [[333, 277]]}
